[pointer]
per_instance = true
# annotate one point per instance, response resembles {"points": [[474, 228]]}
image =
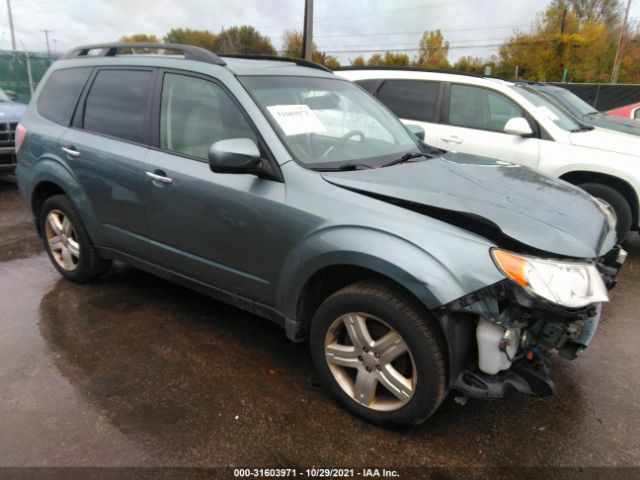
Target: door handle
{"points": [[71, 151], [452, 139], [159, 176]]}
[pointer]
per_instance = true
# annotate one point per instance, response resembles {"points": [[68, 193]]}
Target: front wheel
{"points": [[379, 353]]}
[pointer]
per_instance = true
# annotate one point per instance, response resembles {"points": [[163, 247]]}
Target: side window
{"points": [[196, 113], [480, 108], [60, 94], [117, 104], [411, 99], [636, 114]]}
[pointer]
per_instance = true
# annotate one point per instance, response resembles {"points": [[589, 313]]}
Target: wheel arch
{"points": [[578, 177]]}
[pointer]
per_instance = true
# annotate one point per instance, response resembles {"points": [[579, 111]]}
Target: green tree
{"points": [[292, 47], [187, 36], [244, 39], [433, 50], [470, 64]]}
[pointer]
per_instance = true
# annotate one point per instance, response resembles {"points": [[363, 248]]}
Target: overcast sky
{"points": [[344, 28]]}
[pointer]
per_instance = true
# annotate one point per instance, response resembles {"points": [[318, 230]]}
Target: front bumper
{"points": [[8, 160], [531, 329]]}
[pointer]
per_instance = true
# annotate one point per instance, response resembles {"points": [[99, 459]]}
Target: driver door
{"points": [[474, 119], [224, 230]]}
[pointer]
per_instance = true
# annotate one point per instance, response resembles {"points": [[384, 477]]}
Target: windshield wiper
{"points": [[342, 168], [582, 128], [405, 158]]}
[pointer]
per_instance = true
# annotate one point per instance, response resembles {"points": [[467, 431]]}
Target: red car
{"points": [[628, 111]]}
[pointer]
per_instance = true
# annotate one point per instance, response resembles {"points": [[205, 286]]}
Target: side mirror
{"points": [[13, 96], [518, 126], [235, 155], [417, 130]]}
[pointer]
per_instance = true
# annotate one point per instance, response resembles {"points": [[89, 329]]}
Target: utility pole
{"points": [[46, 36], [618, 60], [13, 34], [307, 33]]}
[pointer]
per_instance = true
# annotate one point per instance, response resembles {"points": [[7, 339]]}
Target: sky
{"points": [[343, 28]]}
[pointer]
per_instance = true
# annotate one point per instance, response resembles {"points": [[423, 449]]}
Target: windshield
{"points": [[3, 96], [548, 109], [574, 103], [329, 123]]}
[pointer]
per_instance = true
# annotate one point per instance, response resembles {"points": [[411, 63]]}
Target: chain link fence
{"points": [[21, 71]]}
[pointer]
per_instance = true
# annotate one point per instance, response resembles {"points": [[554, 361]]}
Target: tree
{"points": [[608, 12], [433, 50], [244, 39], [471, 64], [187, 36], [358, 61], [292, 47], [389, 59], [139, 38]]}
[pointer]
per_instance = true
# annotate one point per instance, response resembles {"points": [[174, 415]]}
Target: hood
{"points": [[607, 140], [514, 206], [11, 111], [612, 122]]}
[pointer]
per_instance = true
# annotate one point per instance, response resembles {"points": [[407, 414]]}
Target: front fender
{"points": [[435, 276]]}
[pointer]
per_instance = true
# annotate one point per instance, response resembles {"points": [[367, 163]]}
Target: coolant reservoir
{"points": [[491, 359]]}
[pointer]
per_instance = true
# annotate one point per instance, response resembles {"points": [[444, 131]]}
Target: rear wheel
{"points": [[378, 352], [67, 242], [617, 202]]}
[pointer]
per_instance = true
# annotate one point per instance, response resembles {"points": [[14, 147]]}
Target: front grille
{"points": [[8, 134]]}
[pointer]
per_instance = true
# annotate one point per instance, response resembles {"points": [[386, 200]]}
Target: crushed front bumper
{"points": [[539, 328]]}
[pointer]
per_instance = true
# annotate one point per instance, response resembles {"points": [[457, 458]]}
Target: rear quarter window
{"points": [[411, 99], [60, 94]]}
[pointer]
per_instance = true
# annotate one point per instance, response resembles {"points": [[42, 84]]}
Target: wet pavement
{"points": [[134, 371]]}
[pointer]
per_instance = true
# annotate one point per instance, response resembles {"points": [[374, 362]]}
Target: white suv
{"points": [[512, 122]]}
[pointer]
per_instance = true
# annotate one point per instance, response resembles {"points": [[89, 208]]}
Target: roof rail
{"points": [[410, 69], [298, 61], [190, 52]]}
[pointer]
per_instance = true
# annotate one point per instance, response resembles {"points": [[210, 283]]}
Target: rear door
{"points": [[414, 101], [105, 147], [473, 122]]}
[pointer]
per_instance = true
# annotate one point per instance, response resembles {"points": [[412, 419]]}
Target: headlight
{"points": [[571, 284]]}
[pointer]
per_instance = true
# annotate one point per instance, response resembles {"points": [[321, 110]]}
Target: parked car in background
{"points": [[628, 111], [515, 123], [585, 113], [10, 114], [279, 187]]}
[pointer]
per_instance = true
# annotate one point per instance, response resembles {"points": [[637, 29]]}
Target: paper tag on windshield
{"points": [[296, 119], [548, 113]]}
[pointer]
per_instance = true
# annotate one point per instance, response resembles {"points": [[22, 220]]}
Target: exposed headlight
{"points": [[571, 284]]}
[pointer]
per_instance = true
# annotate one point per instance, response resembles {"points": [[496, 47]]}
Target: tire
{"points": [[617, 202], [67, 241], [383, 309]]}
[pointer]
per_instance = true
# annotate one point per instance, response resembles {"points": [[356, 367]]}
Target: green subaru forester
{"points": [[272, 184]]}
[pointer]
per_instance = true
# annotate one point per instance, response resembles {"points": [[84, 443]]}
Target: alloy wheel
{"points": [[370, 361], [62, 240]]}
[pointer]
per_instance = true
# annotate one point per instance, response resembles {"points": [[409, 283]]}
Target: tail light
{"points": [[21, 133]]}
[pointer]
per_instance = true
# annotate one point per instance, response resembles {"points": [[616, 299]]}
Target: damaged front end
{"points": [[517, 329]]}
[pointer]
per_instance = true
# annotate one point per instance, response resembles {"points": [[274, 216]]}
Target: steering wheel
{"points": [[343, 140]]}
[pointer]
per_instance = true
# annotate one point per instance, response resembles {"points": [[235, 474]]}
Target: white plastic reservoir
{"points": [[491, 359]]}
